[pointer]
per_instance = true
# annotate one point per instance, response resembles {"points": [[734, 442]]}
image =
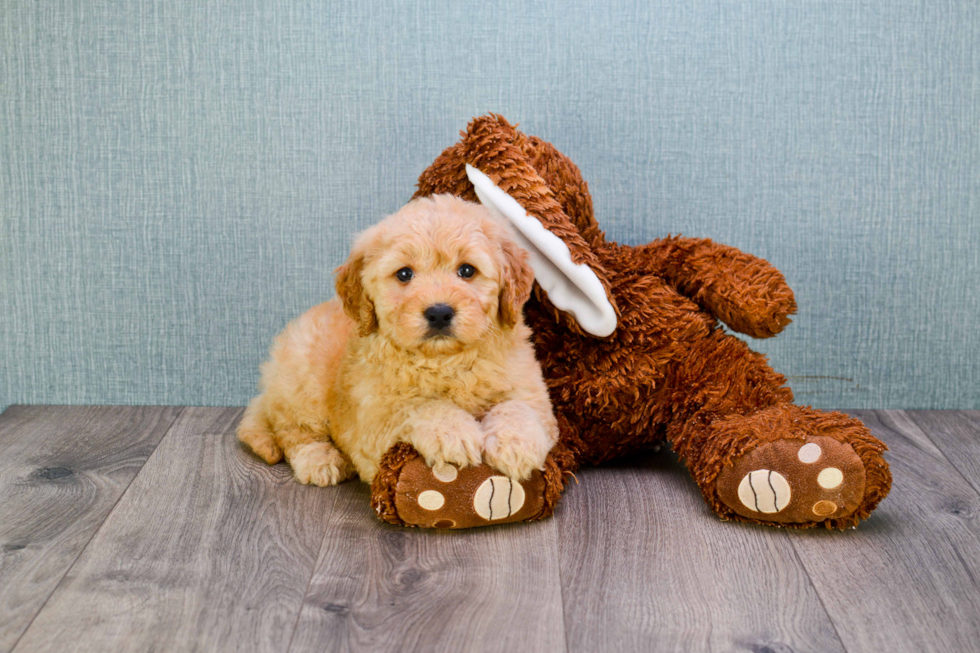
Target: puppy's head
{"points": [[438, 276]]}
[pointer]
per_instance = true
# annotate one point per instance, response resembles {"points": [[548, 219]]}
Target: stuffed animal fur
{"points": [[633, 354]]}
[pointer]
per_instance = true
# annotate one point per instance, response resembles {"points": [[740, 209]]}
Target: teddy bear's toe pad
{"points": [[498, 497], [764, 491], [794, 481], [447, 497]]}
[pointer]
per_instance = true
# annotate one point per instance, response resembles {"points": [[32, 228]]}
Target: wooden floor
{"points": [[150, 529]]}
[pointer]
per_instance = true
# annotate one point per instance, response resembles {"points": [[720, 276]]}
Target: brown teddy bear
{"points": [[631, 349]]}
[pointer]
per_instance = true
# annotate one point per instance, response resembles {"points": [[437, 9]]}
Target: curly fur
{"points": [[669, 371], [354, 376]]}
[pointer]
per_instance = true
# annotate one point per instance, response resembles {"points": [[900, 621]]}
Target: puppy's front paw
{"points": [[320, 463], [516, 442], [457, 444], [516, 454]]}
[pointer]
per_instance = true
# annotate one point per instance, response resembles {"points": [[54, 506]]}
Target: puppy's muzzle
{"points": [[440, 319]]}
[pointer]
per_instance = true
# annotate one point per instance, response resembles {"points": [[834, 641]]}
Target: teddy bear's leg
{"points": [[408, 492], [791, 465], [758, 457]]}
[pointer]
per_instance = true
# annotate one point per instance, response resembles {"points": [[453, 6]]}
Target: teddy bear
{"points": [[632, 348]]}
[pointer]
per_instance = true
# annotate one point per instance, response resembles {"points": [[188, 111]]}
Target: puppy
{"points": [[425, 344]]}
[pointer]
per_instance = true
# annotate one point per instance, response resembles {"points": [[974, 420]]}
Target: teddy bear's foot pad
{"points": [[447, 497], [794, 481]]}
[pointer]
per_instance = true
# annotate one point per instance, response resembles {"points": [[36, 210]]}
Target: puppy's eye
{"points": [[466, 270], [405, 275]]}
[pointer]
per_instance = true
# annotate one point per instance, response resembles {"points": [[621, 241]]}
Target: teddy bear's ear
{"points": [[574, 288]]}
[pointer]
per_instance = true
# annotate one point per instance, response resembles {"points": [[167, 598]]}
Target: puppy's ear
{"points": [[515, 283], [350, 290]]}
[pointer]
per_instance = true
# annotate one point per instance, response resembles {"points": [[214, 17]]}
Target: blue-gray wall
{"points": [[178, 178]]}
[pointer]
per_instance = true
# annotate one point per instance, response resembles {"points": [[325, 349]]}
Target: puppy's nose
{"points": [[439, 316]]}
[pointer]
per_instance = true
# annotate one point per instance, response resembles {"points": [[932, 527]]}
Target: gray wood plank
{"points": [[209, 550], [957, 434], [647, 567], [62, 469], [906, 579], [383, 588]]}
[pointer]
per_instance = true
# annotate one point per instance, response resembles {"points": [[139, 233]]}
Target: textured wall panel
{"points": [[178, 179]]}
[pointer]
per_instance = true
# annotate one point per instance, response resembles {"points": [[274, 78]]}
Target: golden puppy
{"points": [[426, 345]]}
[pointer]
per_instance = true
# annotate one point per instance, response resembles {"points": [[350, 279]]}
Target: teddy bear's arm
{"points": [[743, 291]]}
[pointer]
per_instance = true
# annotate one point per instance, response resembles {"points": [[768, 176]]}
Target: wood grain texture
{"points": [[906, 579], [207, 548], [62, 469], [379, 587], [646, 567], [210, 550], [957, 434]]}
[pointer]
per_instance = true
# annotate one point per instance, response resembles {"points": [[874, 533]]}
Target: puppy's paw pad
{"points": [[320, 464]]}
